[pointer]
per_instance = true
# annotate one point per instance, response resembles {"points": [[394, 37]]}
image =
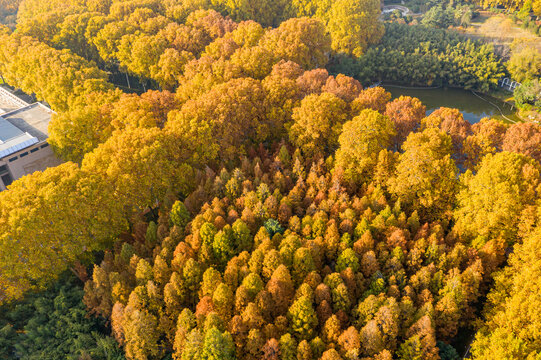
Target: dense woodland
{"points": [[424, 56], [256, 203], [54, 324]]}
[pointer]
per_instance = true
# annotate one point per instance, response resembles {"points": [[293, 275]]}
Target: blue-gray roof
{"points": [[23, 127], [8, 131]]}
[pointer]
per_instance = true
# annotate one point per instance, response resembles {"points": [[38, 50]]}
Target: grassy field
{"points": [[501, 31]]}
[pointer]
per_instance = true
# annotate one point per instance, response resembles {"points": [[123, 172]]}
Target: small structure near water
{"points": [[508, 84]]}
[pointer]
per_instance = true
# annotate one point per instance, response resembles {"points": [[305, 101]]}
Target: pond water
{"points": [[472, 107]]}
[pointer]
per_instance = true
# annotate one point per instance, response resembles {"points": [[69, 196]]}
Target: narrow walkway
{"points": [[496, 106], [404, 10], [411, 87]]}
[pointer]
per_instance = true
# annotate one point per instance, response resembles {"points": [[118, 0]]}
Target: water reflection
{"points": [[472, 107]]}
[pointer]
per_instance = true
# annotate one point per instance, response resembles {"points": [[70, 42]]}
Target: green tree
{"points": [[55, 324], [438, 17], [179, 215], [347, 259], [528, 93], [224, 245], [217, 346], [302, 318], [288, 347]]}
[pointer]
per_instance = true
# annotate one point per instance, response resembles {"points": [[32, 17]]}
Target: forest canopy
{"points": [[254, 202]]}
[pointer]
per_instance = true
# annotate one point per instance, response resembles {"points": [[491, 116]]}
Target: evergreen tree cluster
{"points": [[423, 56], [55, 324]]}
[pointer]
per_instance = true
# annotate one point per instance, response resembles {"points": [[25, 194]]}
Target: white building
{"points": [[23, 138]]}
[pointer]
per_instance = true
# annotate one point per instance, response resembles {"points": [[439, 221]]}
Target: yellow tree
{"points": [[487, 138], [361, 141], [140, 54], [47, 220], [525, 64], [179, 10], [406, 112], [317, 123], [87, 124], [524, 138], [107, 39], [535, 5], [492, 202], [141, 333], [147, 110], [302, 40], [302, 318], [512, 316], [375, 98], [170, 66], [141, 164], [426, 176], [345, 87], [222, 121], [311, 8], [282, 95], [72, 34], [452, 122], [354, 24], [265, 12], [255, 62]]}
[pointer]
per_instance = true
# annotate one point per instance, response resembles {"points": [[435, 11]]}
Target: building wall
{"points": [[29, 160]]}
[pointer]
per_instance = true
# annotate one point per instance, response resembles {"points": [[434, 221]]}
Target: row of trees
{"points": [[154, 39], [53, 75], [96, 110], [513, 5]]}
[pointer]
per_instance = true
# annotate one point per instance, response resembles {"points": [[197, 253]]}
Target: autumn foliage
{"points": [[254, 205]]}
